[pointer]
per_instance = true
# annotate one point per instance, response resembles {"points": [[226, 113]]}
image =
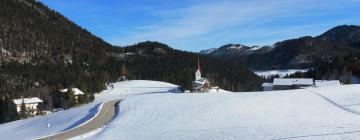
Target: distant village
{"points": [[59, 100]]}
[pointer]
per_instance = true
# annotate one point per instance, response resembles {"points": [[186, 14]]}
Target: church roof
{"points": [[201, 81]]}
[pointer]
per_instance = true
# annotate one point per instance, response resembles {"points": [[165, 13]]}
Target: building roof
{"points": [[201, 81], [267, 85], [293, 81], [75, 90], [323, 83], [28, 100]]}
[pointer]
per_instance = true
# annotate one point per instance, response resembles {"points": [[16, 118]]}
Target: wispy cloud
{"points": [[229, 21]]}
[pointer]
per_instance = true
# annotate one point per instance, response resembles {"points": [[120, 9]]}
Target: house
{"points": [[31, 104], [200, 84], [292, 83], [77, 92], [267, 86], [324, 83]]}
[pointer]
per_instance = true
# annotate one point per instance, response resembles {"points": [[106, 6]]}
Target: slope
{"points": [[260, 115], [65, 120], [42, 51]]}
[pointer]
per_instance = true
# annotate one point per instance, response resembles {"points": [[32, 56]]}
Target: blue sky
{"points": [[194, 25]]}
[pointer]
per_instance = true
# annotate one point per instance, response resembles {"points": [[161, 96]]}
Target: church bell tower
{"points": [[198, 72]]}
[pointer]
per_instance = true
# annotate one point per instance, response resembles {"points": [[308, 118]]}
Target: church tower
{"points": [[198, 72]]}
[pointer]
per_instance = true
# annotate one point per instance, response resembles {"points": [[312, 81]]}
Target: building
{"points": [[324, 83], [31, 104], [292, 83], [267, 87], [200, 84], [77, 92]]}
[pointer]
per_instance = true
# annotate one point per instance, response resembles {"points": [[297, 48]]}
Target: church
{"points": [[200, 84]]}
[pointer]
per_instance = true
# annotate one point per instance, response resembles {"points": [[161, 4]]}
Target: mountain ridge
{"points": [[300, 52]]}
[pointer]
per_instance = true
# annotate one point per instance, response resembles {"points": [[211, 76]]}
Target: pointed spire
{"points": [[198, 64]]}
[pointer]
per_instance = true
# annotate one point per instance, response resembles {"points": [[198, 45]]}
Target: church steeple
{"points": [[198, 71]]}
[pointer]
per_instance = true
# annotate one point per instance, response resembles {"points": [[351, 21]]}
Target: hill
{"points": [[157, 61], [42, 51]]}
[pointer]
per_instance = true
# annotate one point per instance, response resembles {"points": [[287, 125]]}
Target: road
{"points": [[107, 112]]}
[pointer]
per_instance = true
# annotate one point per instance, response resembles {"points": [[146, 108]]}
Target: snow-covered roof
{"points": [[323, 83], [293, 81], [201, 81], [75, 90], [267, 85], [28, 100]]}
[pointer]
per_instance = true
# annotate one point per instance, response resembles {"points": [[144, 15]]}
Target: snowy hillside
{"points": [[262, 115], [150, 111]]}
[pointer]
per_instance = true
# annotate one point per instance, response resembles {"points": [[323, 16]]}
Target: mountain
{"points": [[233, 50], [157, 61], [302, 52], [208, 51], [346, 34], [42, 51]]}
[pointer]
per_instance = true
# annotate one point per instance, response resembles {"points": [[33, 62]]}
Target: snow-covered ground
{"points": [[150, 111], [64, 120], [300, 114], [281, 73]]}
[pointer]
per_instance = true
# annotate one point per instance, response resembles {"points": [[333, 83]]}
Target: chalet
{"points": [[31, 104], [200, 84], [324, 83], [77, 92], [292, 83]]}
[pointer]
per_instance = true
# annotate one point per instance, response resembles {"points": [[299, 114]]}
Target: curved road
{"points": [[107, 113]]}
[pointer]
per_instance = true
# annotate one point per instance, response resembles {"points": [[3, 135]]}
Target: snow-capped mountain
{"points": [[233, 50], [208, 51], [340, 41]]}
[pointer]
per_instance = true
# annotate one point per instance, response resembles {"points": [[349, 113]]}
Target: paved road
{"points": [[106, 114]]}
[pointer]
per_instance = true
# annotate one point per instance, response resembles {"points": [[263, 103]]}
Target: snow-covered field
{"points": [[281, 73], [64, 120], [262, 115], [151, 112]]}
